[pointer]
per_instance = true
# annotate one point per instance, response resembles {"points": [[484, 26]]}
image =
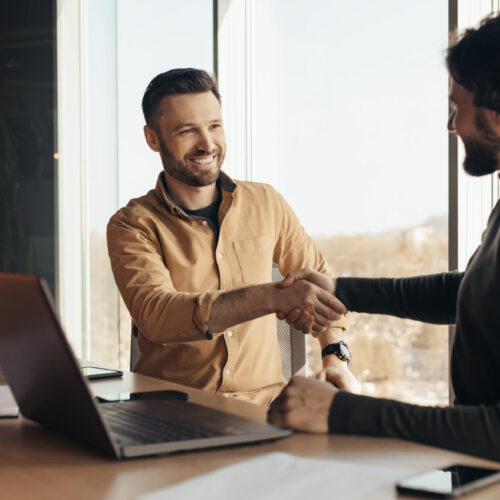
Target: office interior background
{"points": [[340, 105]]}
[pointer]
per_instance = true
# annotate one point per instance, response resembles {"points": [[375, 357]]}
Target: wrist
{"points": [[338, 350], [273, 297], [333, 360]]}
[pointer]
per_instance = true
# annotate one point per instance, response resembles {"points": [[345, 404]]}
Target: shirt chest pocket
{"points": [[255, 259]]}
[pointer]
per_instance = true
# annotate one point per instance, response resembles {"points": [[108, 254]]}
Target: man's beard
{"points": [[482, 154], [187, 173]]}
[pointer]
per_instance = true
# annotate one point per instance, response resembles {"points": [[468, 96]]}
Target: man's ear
{"points": [[152, 138]]}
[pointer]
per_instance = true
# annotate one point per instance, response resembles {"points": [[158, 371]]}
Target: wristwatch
{"points": [[340, 350]]}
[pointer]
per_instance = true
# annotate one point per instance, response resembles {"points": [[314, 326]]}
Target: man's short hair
{"points": [[474, 63], [175, 82]]}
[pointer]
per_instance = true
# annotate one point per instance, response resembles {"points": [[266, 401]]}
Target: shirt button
{"points": [[226, 395], [229, 334], [228, 372], [204, 222], [219, 256]]}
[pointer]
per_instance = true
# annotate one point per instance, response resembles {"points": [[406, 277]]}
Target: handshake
{"points": [[305, 299]]}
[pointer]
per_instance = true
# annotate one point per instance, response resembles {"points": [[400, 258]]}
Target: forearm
{"points": [[467, 429], [238, 306], [430, 298], [330, 336]]}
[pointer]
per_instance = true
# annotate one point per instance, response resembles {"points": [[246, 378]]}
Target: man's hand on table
{"points": [[301, 318], [337, 373], [303, 405]]}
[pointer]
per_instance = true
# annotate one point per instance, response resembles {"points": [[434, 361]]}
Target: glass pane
{"points": [[350, 112], [129, 42]]}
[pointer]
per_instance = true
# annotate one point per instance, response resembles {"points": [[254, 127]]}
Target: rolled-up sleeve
{"points": [[162, 313]]}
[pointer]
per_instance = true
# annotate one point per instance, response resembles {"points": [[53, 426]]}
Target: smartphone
{"points": [[94, 372], [131, 396], [449, 482]]}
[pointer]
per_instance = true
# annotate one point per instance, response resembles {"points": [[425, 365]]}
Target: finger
{"points": [[336, 378], [293, 316], [293, 276], [332, 302], [290, 391], [321, 375], [324, 316], [304, 322], [274, 417], [317, 329], [280, 314], [308, 326], [337, 381]]}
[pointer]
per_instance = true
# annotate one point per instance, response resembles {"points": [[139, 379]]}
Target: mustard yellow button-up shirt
{"points": [[169, 269]]}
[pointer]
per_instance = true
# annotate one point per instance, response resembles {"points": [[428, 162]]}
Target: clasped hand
{"points": [[308, 302]]}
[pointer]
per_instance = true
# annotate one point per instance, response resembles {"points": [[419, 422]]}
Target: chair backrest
{"points": [[292, 344]]}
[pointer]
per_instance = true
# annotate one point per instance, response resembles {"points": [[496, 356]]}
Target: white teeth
{"points": [[202, 161]]}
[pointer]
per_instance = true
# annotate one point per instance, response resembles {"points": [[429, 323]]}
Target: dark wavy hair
{"points": [[175, 82], [474, 62]]}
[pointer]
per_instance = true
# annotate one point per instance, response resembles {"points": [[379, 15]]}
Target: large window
{"points": [[347, 119], [109, 50]]}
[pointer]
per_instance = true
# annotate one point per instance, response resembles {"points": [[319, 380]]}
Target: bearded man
{"points": [[193, 257]]}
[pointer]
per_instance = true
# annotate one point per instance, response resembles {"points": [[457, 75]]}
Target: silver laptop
{"points": [[48, 385]]}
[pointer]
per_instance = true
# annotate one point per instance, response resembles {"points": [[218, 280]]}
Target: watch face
{"points": [[344, 352]]}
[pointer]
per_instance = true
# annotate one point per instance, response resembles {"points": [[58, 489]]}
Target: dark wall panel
{"points": [[27, 138]]}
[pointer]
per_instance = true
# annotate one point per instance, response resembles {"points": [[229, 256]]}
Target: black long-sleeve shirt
{"points": [[471, 300]]}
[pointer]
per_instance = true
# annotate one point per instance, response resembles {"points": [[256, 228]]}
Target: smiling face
{"points": [[479, 129], [190, 138]]}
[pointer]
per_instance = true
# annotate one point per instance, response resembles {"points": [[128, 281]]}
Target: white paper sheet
{"points": [[276, 476], [8, 405]]}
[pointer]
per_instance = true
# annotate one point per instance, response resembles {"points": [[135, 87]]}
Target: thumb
{"points": [[294, 276], [288, 281]]}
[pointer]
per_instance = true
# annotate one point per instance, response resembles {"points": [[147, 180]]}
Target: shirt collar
{"points": [[224, 182]]}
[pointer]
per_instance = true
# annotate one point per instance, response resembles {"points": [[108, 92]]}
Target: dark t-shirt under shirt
{"points": [[210, 213]]}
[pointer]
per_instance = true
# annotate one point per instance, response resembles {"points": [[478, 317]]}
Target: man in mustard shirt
{"points": [[193, 257]]}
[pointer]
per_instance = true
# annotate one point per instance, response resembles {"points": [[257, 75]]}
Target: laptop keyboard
{"points": [[139, 426]]}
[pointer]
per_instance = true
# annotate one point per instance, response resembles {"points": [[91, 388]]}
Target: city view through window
{"points": [[351, 128]]}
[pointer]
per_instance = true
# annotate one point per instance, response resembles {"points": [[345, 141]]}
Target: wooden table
{"points": [[35, 464]]}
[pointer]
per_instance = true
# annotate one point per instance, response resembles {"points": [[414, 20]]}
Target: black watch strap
{"points": [[340, 350]]}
